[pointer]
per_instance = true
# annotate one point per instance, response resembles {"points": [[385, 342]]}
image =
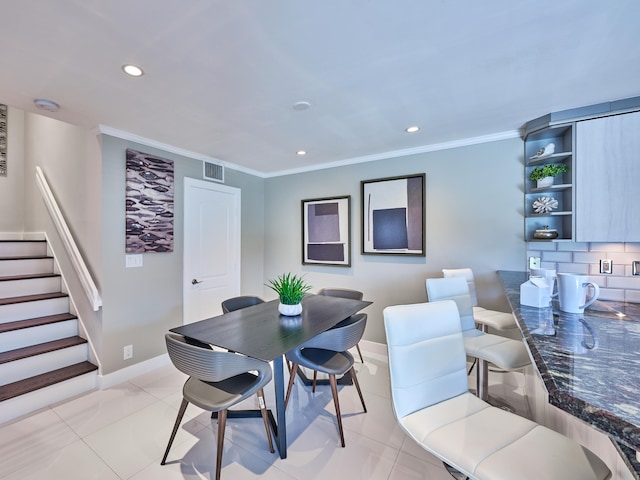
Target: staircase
{"points": [[43, 360]]}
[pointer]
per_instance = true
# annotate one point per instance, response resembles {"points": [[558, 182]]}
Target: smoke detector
{"points": [[47, 105]]}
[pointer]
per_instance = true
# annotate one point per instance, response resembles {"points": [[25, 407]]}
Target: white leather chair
{"points": [[485, 317], [432, 404], [506, 353]]}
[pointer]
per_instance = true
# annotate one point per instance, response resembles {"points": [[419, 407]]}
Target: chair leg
{"points": [[355, 382], [222, 422], [183, 407], [263, 411], [334, 391], [313, 384], [292, 377], [359, 353]]}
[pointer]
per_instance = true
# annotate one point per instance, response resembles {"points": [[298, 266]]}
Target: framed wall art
{"points": [[393, 215], [326, 231], [3, 140], [149, 203]]}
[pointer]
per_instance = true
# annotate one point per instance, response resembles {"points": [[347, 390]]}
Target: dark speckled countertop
{"points": [[590, 364]]}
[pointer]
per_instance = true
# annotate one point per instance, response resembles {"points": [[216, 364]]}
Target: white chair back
{"points": [[467, 274], [456, 289], [427, 360]]}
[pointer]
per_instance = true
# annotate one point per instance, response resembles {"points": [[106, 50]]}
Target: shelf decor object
{"points": [[544, 152], [545, 205], [393, 215], [326, 231]]}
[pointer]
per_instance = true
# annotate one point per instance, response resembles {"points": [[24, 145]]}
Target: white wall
{"points": [[473, 218], [141, 304]]}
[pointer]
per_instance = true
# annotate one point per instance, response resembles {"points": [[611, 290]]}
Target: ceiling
{"points": [[221, 77]]}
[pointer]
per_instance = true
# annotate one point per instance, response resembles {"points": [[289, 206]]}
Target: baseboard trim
{"points": [[126, 374]]}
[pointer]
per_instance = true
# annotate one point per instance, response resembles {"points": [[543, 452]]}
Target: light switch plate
{"points": [[636, 267], [606, 266], [133, 261], [534, 262]]}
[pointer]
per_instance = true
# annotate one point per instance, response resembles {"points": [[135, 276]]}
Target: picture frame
{"points": [[393, 215], [326, 231]]}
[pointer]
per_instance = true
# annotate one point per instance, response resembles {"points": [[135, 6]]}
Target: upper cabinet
{"points": [[607, 179], [595, 199]]}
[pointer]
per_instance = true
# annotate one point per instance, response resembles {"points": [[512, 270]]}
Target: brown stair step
{"points": [[35, 322], [32, 298], [33, 350], [25, 257], [32, 384], [28, 277]]}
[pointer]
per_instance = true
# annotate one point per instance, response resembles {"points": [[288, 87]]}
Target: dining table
{"points": [[261, 332]]}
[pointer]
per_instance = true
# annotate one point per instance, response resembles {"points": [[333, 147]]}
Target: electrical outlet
{"points": [[128, 352], [636, 267], [534, 262], [606, 266]]}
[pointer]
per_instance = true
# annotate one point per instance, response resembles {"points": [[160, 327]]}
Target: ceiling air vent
{"points": [[213, 171]]}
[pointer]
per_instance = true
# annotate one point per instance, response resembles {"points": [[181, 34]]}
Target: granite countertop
{"points": [[589, 363]]}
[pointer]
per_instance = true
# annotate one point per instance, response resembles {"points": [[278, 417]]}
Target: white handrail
{"points": [[69, 244]]}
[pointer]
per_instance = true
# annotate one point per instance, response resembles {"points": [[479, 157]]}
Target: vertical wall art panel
{"points": [[393, 215], [326, 225], [3, 140], [149, 203]]}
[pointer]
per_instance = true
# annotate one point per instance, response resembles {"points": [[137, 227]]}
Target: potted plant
{"points": [[544, 174], [290, 289]]}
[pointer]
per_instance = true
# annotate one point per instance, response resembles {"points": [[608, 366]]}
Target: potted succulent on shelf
{"points": [[290, 289], [543, 175]]}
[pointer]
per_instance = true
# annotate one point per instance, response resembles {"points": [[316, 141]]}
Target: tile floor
{"points": [[121, 433]]}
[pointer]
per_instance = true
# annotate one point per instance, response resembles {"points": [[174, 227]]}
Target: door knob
{"points": [[195, 282]]}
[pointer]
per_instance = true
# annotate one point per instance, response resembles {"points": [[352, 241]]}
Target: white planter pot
{"points": [[545, 182], [290, 310]]}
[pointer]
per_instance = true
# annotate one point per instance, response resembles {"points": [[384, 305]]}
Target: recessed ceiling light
{"points": [[132, 70], [301, 152], [47, 105], [413, 129], [301, 105]]}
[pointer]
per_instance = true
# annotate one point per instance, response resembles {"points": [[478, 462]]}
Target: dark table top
{"points": [[261, 332], [588, 363]]}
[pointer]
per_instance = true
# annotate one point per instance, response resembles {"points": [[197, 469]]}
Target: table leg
{"points": [[280, 426]]}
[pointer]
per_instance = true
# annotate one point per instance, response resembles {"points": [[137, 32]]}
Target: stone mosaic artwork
{"points": [[3, 140], [149, 203]]}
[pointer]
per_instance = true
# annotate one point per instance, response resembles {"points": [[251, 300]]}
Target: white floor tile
{"points": [[93, 411], [73, 462], [134, 442], [33, 437]]}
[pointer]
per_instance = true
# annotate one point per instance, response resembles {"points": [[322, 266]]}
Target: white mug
{"points": [[572, 292]]}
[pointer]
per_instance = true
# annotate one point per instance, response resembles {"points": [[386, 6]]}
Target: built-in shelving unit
{"points": [[561, 218]]}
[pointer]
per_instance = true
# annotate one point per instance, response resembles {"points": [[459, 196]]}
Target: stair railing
{"points": [[69, 243]]}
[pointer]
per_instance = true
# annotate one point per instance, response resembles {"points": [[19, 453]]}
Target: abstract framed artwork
{"points": [[149, 203], [393, 215], [3, 140], [326, 231]]}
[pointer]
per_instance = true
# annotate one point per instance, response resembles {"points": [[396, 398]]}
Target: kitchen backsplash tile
{"points": [[584, 258]]}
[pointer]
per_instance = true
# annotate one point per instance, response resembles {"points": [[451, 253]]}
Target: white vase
{"points": [[545, 182], [290, 310]]}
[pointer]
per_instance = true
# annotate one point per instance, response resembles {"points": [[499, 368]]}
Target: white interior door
{"points": [[211, 248]]}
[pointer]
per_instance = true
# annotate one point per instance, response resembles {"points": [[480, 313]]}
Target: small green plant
{"points": [[290, 288], [549, 170]]}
